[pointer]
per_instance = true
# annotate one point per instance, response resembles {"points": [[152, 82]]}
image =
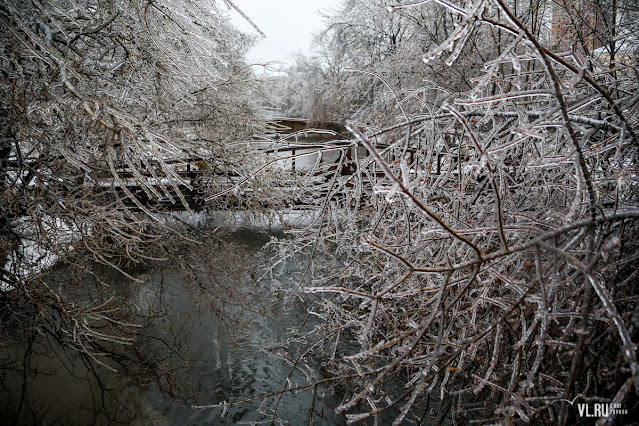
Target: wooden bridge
{"points": [[288, 126], [295, 141]]}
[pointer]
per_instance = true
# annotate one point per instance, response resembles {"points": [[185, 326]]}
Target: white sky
{"points": [[288, 25]]}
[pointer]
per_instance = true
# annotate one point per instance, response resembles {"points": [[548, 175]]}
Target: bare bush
{"points": [[489, 236], [104, 107]]}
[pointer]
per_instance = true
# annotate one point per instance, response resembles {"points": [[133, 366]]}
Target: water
{"points": [[230, 362]]}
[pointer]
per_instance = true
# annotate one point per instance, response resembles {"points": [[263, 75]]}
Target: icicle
{"points": [[391, 194]]}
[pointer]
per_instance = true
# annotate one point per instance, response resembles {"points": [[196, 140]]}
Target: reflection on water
{"points": [[231, 364]]}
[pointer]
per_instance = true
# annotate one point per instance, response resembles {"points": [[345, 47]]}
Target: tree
{"points": [[103, 103], [367, 46], [488, 239]]}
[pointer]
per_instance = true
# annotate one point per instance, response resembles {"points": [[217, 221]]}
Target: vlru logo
{"points": [[600, 410]]}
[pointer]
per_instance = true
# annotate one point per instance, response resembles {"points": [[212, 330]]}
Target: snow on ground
{"points": [[31, 257]]}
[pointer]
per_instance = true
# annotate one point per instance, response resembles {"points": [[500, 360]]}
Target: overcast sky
{"points": [[288, 25]]}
